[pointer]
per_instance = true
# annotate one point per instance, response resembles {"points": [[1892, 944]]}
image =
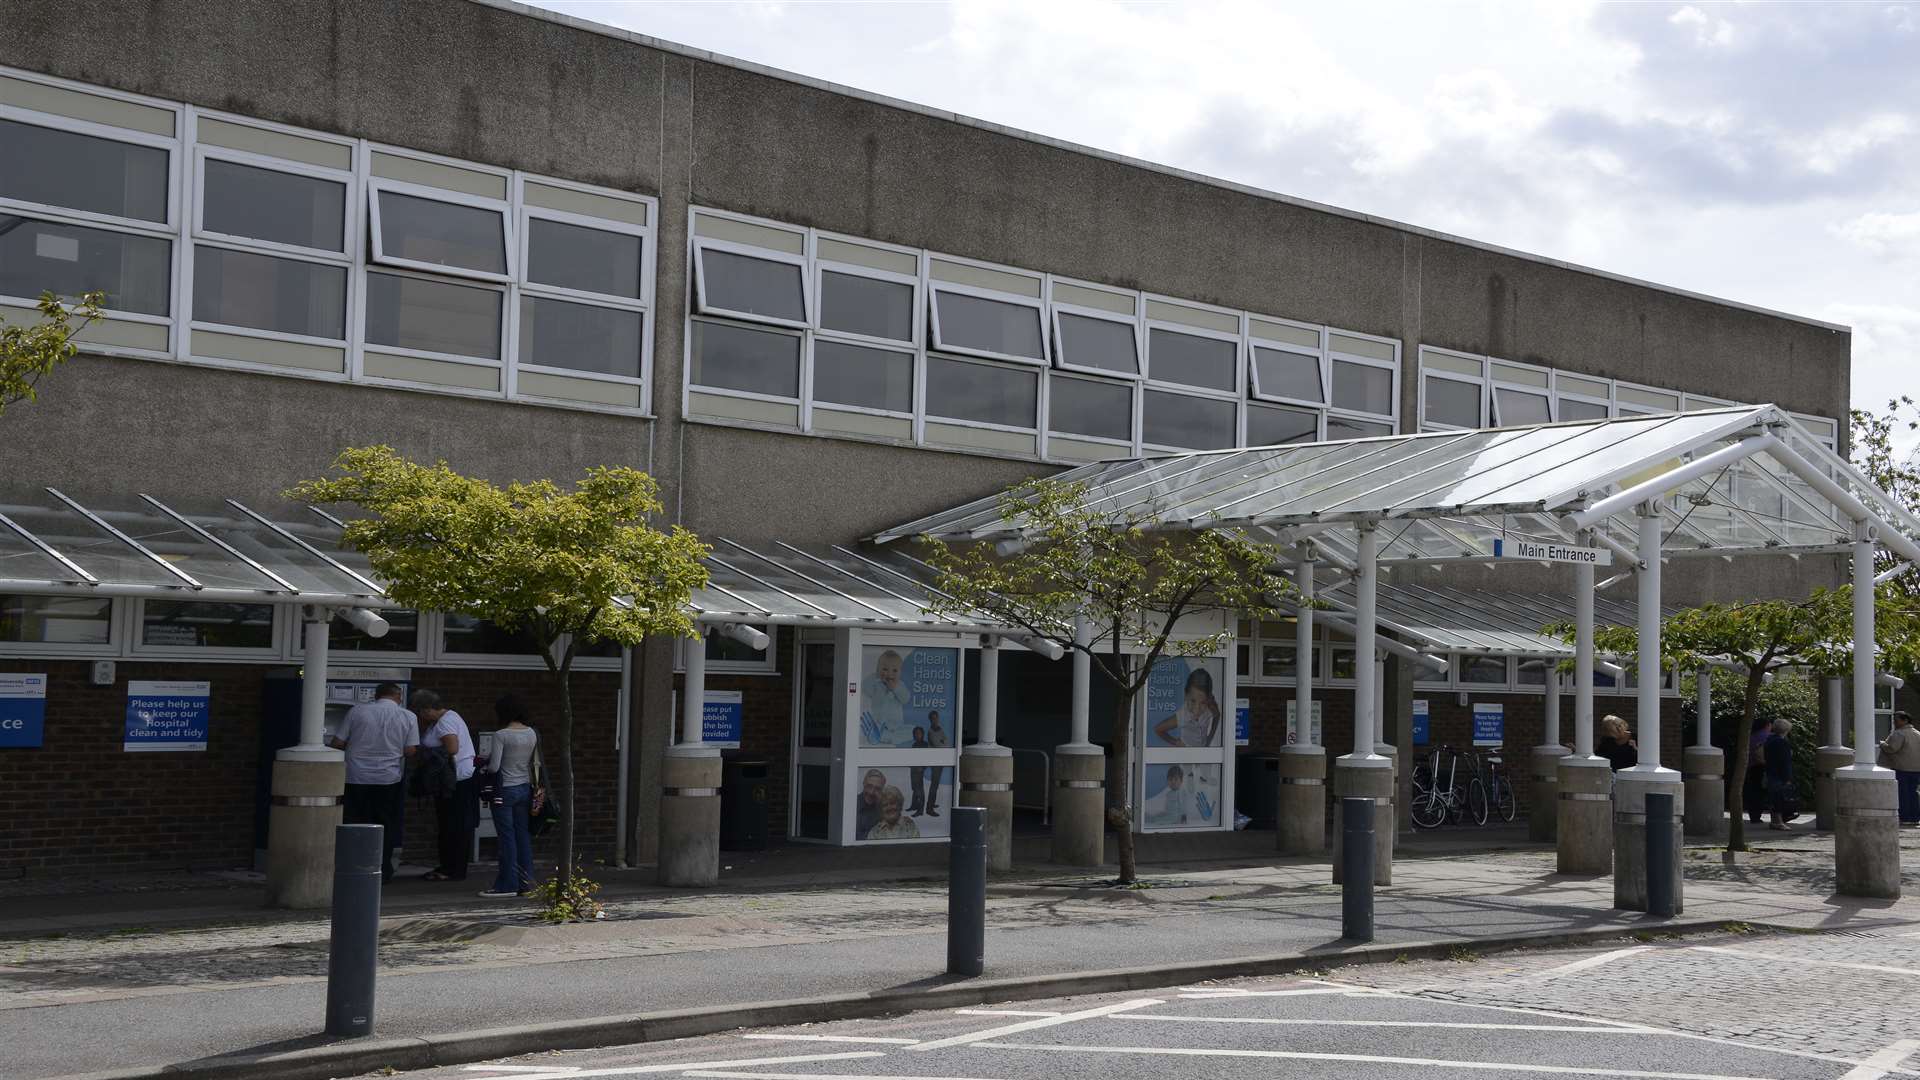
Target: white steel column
{"points": [[693, 698], [989, 705], [1080, 773], [1836, 712], [1379, 699], [1550, 709], [1650, 665], [308, 782], [313, 688], [986, 767], [1583, 654], [1082, 682], [1866, 827], [1300, 730], [1864, 655], [1365, 689], [1583, 826], [1703, 708]]}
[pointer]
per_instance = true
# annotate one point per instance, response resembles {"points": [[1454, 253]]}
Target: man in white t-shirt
{"points": [[378, 737], [459, 813]]}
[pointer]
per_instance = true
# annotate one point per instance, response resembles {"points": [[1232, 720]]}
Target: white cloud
{"points": [[1883, 233]]}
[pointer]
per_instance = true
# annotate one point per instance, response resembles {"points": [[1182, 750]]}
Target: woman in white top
{"points": [[458, 811], [516, 749]]}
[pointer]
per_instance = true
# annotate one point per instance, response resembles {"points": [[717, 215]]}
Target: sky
{"points": [[1767, 153]]}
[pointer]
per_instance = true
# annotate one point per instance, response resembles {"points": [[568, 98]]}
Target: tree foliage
{"points": [[566, 567], [1875, 451], [30, 353], [1132, 581]]}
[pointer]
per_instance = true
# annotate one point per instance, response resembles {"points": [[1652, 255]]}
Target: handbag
{"points": [[544, 810]]}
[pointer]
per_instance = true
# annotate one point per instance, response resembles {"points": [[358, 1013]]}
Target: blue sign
{"points": [[23, 709], [1489, 724], [1242, 721], [909, 698], [1420, 722], [167, 716], [722, 718]]}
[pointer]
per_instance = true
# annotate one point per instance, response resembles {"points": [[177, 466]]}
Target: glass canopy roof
{"points": [[1447, 496], [1447, 619]]}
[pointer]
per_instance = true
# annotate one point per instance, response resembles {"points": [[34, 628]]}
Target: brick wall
{"points": [[82, 800], [766, 703]]}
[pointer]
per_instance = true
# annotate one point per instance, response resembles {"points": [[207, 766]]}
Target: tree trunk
{"points": [[564, 675], [1123, 756], [1737, 772]]}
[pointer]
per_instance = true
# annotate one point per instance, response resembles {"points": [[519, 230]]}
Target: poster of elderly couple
{"points": [[909, 700]]}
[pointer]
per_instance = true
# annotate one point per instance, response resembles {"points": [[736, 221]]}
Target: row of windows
{"points": [[817, 329], [230, 241], [1267, 655]]}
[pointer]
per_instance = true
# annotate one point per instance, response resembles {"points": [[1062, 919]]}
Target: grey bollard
{"points": [[1660, 855], [1356, 871], [967, 891], [353, 953]]}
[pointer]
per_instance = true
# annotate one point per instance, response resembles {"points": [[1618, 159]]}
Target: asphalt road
{"points": [[1694, 1009]]}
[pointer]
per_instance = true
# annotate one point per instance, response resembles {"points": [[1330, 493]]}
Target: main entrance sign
{"points": [[1535, 551]]}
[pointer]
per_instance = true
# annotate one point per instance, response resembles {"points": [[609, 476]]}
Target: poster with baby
{"points": [[1181, 796], [909, 697], [1183, 702]]}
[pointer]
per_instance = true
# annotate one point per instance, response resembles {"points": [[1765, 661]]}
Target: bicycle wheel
{"points": [[1429, 807], [1504, 803], [1477, 801]]}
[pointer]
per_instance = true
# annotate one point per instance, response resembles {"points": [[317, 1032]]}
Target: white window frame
{"points": [[350, 217], [1246, 419], [1140, 418], [136, 623], [1495, 384], [911, 347], [1392, 367], [1238, 340], [1444, 683], [380, 185], [936, 342], [1131, 443], [1634, 408], [1037, 372], [812, 400], [704, 244], [1057, 307], [768, 665], [297, 646], [1559, 392], [1479, 383], [114, 646], [1259, 393], [528, 287], [1457, 667], [506, 294]]}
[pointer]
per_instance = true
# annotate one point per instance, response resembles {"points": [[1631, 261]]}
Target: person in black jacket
{"points": [[1755, 782], [1616, 744], [1778, 755]]}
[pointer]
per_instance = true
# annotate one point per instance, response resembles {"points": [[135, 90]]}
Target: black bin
{"points": [[1256, 788], [743, 805]]}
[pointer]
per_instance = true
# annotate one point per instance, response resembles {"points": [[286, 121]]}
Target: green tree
{"points": [[1760, 638], [29, 353], [1875, 452], [564, 566], [1132, 581]]}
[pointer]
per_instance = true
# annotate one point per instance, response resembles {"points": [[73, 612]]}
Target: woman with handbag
{"points": [[516, 747], [1777, 755]]}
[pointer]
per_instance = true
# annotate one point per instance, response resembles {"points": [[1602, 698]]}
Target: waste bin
{"points": [[1256, 788], [743, 805]]}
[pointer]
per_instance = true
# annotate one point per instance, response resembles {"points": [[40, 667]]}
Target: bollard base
{"points": [[1583, 838], [1706, 792], [1866, 833], [690, 817], [301, 821], [1826, 761], [986, 781], [1368, 777], [1300, 825], [1079, 805], [1630, 790], [1543, 802]]}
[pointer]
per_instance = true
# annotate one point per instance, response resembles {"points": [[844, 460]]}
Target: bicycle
{"points": [[1455, 801], [1499, 792]]}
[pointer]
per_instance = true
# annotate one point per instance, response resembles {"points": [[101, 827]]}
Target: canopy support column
{"points": [[1080, 772], [1543, 804], [1866, 826], [1705, 767], [986, 767], [1364, 773], [1632, 786], [1835, 755], [690, 786], [1300, 821], [1584, 826], [309, 781]]}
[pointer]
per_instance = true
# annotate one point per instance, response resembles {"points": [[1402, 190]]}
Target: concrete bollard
{"points": [[1826, 761], [1662, 861], [986, 781], [353, 951], [1631, 828], [1300, 826], [690, 816], [1356, 855], [1584, 835], [1866, 832], [967, 892], [1543, 811], [1706, 782], [1367, 778], [1079, 805]]}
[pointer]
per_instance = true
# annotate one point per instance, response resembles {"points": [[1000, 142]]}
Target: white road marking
{"points": [[1586, 962], [1004, 1012], [567, 1069], [1879, 1064], [564, 1072], [1297, 1022], [1882, 968], [718, 1073], [771, 1037], [1031, 1025], [1350, 991], [1366, 1059]]}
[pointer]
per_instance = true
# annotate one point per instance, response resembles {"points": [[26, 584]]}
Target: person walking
{"points": [[515, 748], [1616, 744], [1778, 756], [1900, 751], [1755, 787], [378, 737], [457, 812]]}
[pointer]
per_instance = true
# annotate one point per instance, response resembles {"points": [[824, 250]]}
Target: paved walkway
{"points": [[99, 999]]}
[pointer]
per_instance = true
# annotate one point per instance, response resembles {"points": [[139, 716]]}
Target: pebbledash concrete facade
{"points": [[768, 413]]}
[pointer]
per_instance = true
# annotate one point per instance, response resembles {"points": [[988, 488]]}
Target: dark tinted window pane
{"points": [[726, 650], [1453, 403], [1086, 407], [981, 392], [467, 634], [82, 172], [68, 620], [442, 233], [736, 358], [1531, 671], [1188, 422], [1341, 428], [1362, 388], [1425, 670], [236, 288], [973, 322], [1271, 427], [1575, 409], [135, 272], [1099, 343], [1482, 669], [870, 378], [863, 305], [192, 623], [305, 211], [433, 316], [1516, 407], [580, 337], [753, 286], [1288, 374], [571, 256], [1191, 359]]}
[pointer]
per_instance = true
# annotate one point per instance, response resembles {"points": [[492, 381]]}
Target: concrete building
{"points": [[527, 245]]}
